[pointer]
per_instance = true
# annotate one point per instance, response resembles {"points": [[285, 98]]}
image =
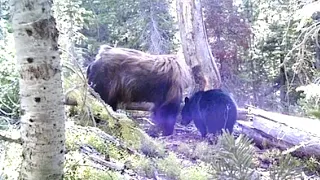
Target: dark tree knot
{"points": [[37, 99], [29, 32], [30, 60]]}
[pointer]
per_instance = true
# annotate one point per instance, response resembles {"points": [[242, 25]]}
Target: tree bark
{"points": [[41, 93], [283, 86], [195, 45], [316, 18]]}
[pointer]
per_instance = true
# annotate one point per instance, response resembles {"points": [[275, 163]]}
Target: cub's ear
{"points": [[186, 100]]}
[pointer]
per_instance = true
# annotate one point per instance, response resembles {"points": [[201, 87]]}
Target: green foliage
{"points": [[114, 152], [185, 149], [282, 166], [147, 25], [197, 150], [233, 158], [315, 114], [152, 148], [311, 101], [204, 152], [71, 141], [94, 174], [282, 33], [98, 144], [313, 165], [230, 158], [274, 35], [170, 166], [76, 168], [127, 129], [71, 18], [145, 167], [72, 165], [287, 167], [200, 172], [143, 25], [9, 83]]}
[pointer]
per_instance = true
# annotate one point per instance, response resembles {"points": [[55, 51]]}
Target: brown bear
{"points": [[127, 75]]}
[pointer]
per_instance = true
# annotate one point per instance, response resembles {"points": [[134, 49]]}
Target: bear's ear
{"points": [[186, 100]]}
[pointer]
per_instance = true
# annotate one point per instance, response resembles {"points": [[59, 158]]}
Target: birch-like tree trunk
{"points": [[41, 93], [195, 45]]}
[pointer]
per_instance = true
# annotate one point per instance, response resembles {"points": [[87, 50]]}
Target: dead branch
{"points": [[10, 140]]}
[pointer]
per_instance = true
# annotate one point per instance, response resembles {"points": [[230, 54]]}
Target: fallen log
{"points": [[143, 106], [146, 106], [296, 135]]}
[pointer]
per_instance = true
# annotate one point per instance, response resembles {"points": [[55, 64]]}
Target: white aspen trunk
{"points": [[195, 45], [41, 93]]}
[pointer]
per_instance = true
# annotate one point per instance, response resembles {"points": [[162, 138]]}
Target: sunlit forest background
{"points": [[268, 52]]}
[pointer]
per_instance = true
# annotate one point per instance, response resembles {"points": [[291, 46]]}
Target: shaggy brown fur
{"points": [[127, 75]]}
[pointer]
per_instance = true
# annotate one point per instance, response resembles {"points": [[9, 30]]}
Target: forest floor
{"points": [[186, 156], [189, 136]]}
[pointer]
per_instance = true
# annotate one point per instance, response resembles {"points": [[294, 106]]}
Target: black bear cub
{"points": [[211, 111]]}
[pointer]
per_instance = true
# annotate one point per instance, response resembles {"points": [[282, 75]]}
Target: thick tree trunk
{"points": [[195, 45], [41, 93], [317, 49], [317, 63], [316, 18], [283, 86]]}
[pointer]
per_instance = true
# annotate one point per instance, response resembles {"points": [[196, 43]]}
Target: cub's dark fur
{"points": [[211, 111]]}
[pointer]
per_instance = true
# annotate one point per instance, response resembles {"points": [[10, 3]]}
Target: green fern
{"points": [[234, 158]]}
